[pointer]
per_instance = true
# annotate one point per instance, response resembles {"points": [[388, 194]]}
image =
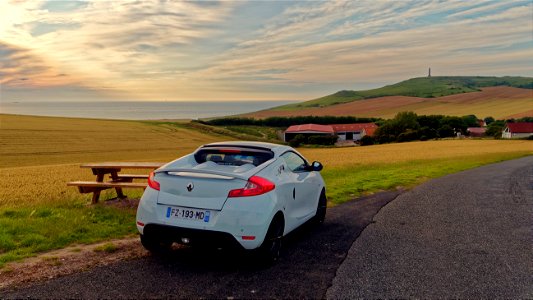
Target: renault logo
{"points": [[190, 186]]}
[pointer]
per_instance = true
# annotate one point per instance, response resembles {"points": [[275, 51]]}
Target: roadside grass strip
{"points": [[346, 183], [25, 231]]}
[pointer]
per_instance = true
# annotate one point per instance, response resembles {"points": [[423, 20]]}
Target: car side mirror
{"points": [[317, 166]]}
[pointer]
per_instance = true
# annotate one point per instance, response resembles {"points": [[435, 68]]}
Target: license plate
{"points": [[184, 213]]}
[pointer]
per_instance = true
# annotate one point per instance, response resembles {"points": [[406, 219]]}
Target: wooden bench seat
{"points": [[132, 176], [108, 184], [116, 180], [95, 187]]}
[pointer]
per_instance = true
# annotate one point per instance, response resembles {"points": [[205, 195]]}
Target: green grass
{"points": [[262, 132], [424, 87], [346, 183], [25, 231]]}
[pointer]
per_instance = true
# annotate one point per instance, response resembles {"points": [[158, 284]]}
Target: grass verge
{"points": [[346, 183], [25, 231]]}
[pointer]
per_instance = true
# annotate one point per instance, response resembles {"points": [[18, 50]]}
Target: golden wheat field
{"points": [[414, 151], [39, 155], [31, 141]]}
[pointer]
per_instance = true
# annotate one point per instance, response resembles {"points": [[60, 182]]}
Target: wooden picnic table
{"points": [[118, 181]]}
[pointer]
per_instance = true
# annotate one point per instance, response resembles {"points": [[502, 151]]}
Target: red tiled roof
{"points": [[354, 127], [310, 127], [521, 127], [479, 130]]}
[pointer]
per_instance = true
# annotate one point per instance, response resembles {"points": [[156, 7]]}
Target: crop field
{"points": [[498, 102], [38, 155], [31, 141], [421, 87]]}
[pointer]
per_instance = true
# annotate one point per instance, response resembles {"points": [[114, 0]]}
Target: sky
{"points": [[250, 50]]}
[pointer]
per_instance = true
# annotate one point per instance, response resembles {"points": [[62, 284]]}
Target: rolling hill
{"points": [[500, 97]]}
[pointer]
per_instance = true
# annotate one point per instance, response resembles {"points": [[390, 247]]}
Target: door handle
{"points": [[294, 193]]}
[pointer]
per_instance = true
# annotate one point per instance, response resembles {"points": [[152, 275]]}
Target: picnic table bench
{"points": [[117, 181]]}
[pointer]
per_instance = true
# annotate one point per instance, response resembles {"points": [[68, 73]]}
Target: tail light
{"points": [[152, 183], [255, 186]]}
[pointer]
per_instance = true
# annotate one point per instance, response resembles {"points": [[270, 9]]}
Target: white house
{"points": [[517, 130]]}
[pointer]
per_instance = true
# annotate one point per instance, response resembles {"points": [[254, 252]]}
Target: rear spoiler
{"points": [[191, 172]]}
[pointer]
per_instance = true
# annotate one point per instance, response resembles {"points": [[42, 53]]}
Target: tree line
{"points": [[287, 121], [404, 127], [408, 126]]}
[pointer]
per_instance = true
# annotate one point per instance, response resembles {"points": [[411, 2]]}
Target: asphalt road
{"points": [[466, 235], [310, 258]]}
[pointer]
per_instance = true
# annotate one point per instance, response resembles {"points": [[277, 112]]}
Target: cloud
{"points": [[20, 67], [315, 45], [105, 41], [195, 50]]}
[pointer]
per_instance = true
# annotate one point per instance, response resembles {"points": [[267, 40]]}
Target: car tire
{"points": [[155, 245], [321, 209], [270, 250]]}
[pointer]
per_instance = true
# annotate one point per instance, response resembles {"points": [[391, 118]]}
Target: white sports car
{"points": [[244, 194]]}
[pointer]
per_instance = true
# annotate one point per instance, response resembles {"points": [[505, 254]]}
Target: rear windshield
{"points": [[233, 156]]}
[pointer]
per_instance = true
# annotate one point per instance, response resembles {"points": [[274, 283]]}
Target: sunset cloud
{"points": [[168, 50]]}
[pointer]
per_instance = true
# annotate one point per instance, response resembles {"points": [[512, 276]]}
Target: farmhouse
{"points": [[345, 132], [517, 130], [307, 129], [476, 131], [354, 132]]}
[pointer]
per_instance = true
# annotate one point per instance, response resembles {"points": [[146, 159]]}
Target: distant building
{"points": [[517, 130], [307, 129], [354, 132], [345, 132], [476, 131]]}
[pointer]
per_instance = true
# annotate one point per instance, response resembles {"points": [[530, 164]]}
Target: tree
{"points": [[407, 136], [297, 140], [391, 129], [470, 121], [495, 129], [456, 123], [322, 140], [446, 131], [366, 141], [488, 120], [525, 119], [405, 120], [427, 133], [431, 121]]}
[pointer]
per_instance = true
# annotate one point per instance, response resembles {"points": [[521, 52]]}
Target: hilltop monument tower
{"points": [[429, 72]]}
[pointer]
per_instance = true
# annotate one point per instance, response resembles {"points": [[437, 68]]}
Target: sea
{"points": [[138, 110]]}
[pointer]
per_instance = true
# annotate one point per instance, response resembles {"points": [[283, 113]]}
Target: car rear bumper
{"points": [[243, 219], [192, 236]]}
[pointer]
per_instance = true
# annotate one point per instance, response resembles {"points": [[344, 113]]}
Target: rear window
{"points": [[233, 156]]}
